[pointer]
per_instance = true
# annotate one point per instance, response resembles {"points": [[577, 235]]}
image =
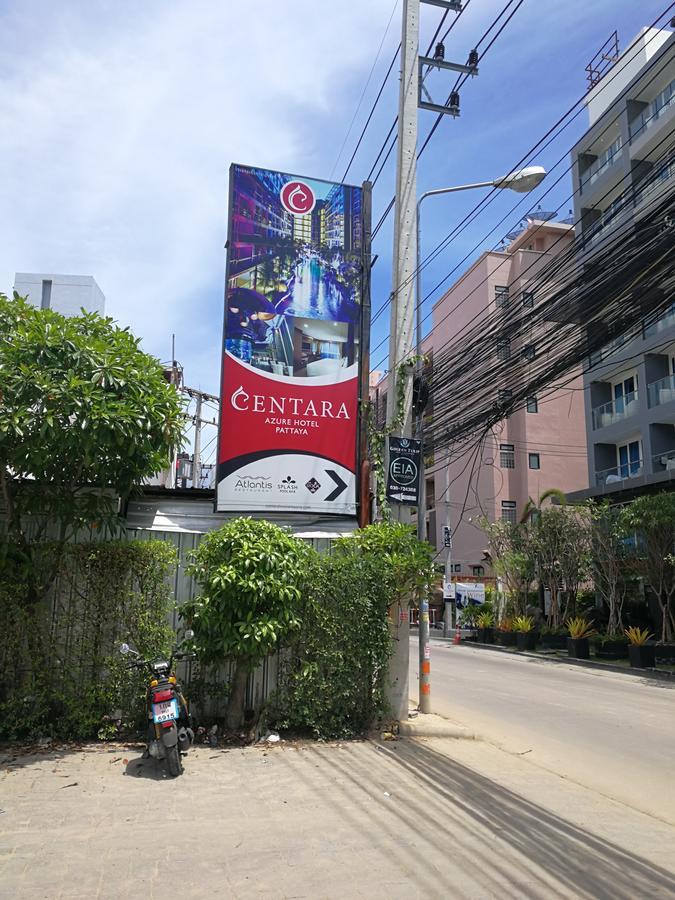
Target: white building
{"points": [[65, 294]]}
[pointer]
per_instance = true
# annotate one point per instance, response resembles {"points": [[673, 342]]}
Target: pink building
{"points": [[536, 448]]}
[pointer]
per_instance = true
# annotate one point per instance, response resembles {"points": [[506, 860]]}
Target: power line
{"points": [[395, 122], [363, 93], [544, 142]]}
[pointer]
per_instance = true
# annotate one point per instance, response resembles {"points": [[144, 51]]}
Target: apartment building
{"points": [[623, 165], [539, 446]]}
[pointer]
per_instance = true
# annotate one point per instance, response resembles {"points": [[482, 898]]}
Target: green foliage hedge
{"points": [[61, 674], [332, 678]]}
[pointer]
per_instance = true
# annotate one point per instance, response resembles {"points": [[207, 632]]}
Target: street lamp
{"points": [[522, 181]]}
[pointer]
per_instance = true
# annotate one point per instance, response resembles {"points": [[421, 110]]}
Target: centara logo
{"points": [[287, 406], [298, 198]]}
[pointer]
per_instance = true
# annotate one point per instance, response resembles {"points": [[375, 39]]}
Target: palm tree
{"points": [[554, 494]]}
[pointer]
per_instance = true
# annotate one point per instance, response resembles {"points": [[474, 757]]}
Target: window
{"points": [[624, 393], [532, 405], [629, 457], [509, 511], [507, 456], [533, 461], [504, 350], [529, 352], [528, 299], [505, 396], [456, 567], [46, 299], [502, 296], [477, 571]]}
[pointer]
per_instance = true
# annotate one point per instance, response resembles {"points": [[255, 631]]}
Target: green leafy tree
{"points": [[85, 415], [652, 519], [251, 575], [608, 534], [512, 559], [408, 567]]}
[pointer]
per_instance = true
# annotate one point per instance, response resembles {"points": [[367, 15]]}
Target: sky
{"points": [[119, 121]]}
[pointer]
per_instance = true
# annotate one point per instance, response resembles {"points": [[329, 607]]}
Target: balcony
{"points": [[664, 462], [654, 182], [666, 320], [615, 411], [661, 391], [653, 112], [601, 164], [617, 474]]}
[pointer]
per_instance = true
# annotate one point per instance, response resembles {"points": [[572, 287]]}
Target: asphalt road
{"points": [[611, 733]]}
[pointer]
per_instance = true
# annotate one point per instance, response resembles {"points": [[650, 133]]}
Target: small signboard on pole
{"points": [[403, 473]]}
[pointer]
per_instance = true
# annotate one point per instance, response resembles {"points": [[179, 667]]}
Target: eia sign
{"points": [[403, 474]]}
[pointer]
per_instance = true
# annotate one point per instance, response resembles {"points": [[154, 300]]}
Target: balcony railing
{"points": [[663, 173], [666, 320], [615, 411], [664, 462], [662, 391], [618, 473], [654, 111], [601, 164]]}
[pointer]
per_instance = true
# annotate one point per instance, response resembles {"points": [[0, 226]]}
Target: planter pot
{"points": [[612, 650], [507, 638], [554, 641], [486, 636], [578, 648], [642, 657], [665, 653], [526, 640]]}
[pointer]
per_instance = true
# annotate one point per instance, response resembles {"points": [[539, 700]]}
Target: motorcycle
{"points": [[170, 733]]}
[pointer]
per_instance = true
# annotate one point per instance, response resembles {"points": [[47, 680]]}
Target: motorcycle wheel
{"points": [[174, 763]]}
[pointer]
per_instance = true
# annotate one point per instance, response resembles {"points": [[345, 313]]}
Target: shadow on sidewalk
{"points": [[465, 817]]}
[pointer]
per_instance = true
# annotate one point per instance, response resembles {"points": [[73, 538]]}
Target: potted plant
{"points": [[553, 638], [577, 643], [507, 636], [526, 636], [485, 621], [640, 653], [611, 646]]}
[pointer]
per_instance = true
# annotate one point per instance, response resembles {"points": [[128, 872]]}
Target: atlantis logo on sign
{"points": [[253, 483], [298, 198]]}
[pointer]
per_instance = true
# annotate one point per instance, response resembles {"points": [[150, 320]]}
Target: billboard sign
{"points": [[290, 371], [403, 473]]}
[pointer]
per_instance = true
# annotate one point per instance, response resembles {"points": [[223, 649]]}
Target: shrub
{"points": [[60, 672], [332, 677]]}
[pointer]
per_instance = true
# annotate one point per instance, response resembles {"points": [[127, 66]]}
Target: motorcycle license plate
{"points": [[163, 712]]}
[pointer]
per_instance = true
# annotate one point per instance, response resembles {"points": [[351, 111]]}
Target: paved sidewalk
{"points": [[426, 817]]}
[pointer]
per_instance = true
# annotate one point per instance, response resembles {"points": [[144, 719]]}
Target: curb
{"points": [[433, 726], [653, 674]]}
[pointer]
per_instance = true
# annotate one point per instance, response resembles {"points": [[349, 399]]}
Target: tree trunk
{"points": [[235, 704]]}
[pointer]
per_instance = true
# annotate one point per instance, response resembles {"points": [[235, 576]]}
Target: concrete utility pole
{"points": [[402, 306], [197, 450], [200, 397]]}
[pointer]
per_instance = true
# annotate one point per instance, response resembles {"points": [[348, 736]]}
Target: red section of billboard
{"points": [[265, 413]]}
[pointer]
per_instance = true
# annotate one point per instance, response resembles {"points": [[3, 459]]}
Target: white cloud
{"points": [[119, 121]]}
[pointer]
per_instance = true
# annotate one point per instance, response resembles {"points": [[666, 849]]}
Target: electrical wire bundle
{"points": [[482, 376]]}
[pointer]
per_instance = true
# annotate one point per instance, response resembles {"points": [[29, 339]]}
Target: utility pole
{"points": [[200, 397], [197, 449], [402, 306]]}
